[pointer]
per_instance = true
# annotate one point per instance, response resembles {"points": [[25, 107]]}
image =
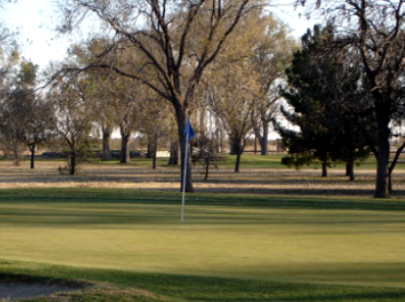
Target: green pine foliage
{"points": [[324, 98]]}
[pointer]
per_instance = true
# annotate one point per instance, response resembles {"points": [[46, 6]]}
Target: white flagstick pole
{"points": [[184, 179]]}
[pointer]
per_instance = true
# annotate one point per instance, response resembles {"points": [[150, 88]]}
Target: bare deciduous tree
{"points": [[231, 99], [75, 117], [271, 55], [177, 40], [25, 117]]}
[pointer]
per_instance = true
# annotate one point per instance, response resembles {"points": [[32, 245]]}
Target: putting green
{"points": [[337, 246]]}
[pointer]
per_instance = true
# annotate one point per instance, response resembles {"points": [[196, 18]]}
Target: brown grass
{"points": [[259, 181]]}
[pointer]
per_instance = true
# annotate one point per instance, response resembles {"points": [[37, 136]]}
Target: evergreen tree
{"points": [[325, 99]]}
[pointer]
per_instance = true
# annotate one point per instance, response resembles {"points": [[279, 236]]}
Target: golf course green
{"points": [[273, 244]]}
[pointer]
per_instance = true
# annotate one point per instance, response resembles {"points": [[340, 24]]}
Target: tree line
{"points": [[230, 66]]}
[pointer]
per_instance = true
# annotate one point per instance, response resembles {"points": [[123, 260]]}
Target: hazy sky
{"points": [[36, 20]]}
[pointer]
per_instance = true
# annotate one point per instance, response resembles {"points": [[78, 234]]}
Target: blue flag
{"points": [[189, 131]]}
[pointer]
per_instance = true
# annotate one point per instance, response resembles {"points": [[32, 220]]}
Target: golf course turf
{"points": [[230, 248]]}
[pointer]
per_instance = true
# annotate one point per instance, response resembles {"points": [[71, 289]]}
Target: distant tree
{"points": [[232, 103], [106, 116], [125, 103], [39, 125], [208, 155], [115, 99], [324, 95], [374, 30], [103, 98], [25, 117], [240, 83], [11, 128], [75, 117], [154, 122], [174, 153], [271, 55], [178, 40], [173, 141], [36, 113]]}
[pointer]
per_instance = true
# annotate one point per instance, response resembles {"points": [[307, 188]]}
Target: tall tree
{"points": [[375, 30], [324, 94], [75, 117], [106, 115], [271, 55], [242, 84], [233, 103], [177, 40], [102, 86], [26, 119], [39, 124], [125, 97], [11, 128], [155, 121], [35, 113]]}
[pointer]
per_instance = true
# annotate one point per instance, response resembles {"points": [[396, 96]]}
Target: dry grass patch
{"points": [[224, 180]]}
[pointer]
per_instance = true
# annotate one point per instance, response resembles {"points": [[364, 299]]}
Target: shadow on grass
{"points": [[118, 207], [128, 196], [192, 288]]}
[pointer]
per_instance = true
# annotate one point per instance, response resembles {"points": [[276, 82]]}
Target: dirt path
{"points": [[14, 290]]}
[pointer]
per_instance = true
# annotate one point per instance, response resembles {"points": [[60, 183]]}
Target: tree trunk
{"points": [[154, 152], [106, 143], [255, 145], [265, 138], [350, 170], [149, 151], [202, 125], [390, 183], [125, 152], [154, 160], [31, 147], [219, 137], [174, 154], [393, 164], [207, 168], [239, 151], [233, 147], [381, 190], [237, 163], [181, 125], [73, 163], [16, 154], [324, 169]]}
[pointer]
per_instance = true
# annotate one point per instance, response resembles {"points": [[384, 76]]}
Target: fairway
{"points": [[273, 239]]}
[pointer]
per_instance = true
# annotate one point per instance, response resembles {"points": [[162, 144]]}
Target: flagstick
{"points": [[184, 179]]}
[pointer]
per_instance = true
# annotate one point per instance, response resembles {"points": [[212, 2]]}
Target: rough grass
{"points": [[113, 285], [259, 175]]}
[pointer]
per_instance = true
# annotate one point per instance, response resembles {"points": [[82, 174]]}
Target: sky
{"points": [[36, 21]]}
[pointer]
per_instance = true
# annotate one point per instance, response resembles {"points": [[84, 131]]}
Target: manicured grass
{"points": [[231, 247]]}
